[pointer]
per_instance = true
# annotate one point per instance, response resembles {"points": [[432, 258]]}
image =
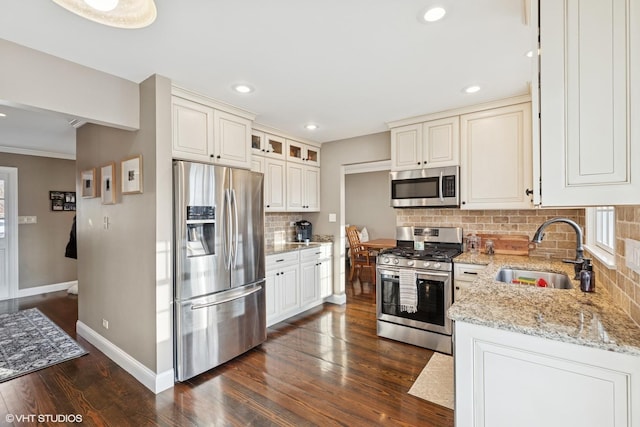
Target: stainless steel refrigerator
{"points": [[219, 270]]}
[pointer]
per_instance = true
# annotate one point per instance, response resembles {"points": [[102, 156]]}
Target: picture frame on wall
{"points": [[108, 184], [88, 180], [62, 200], [131, 175]]}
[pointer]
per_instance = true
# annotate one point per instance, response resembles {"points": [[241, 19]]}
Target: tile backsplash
{"points": [[277, 226], [559, 241], [623, 283]]}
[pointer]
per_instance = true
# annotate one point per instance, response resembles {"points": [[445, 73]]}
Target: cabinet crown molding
{"points": [[460, 111], [219, 105]]}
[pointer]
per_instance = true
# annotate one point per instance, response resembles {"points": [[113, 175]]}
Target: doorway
{"points": [[8, 232]]}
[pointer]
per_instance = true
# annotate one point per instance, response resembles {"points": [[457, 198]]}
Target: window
{"points": [[601, 233]]}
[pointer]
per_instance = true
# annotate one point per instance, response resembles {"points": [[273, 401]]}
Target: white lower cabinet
{"points": [[464, 275], [297, 281], [505, 379]]}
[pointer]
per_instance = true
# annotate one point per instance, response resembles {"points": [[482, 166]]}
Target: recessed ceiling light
{"points": [[434, 14], [529, 54], [242, 88], [114, 13], [471, 89], [311, 126], [3, 115]]}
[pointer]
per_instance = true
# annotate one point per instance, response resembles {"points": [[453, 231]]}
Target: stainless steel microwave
{"points": [[428, 188]]}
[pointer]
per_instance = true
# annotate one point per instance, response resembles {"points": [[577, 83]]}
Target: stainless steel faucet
{"points": [[539, 234]]}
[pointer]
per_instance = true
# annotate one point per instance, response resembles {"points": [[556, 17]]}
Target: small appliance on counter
{"points": [[303, 231]]}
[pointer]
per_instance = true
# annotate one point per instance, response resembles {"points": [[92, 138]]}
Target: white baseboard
{"points": [[37, 290], [154, 382], [336, 299]]}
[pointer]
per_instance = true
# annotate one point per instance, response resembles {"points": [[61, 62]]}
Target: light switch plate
{"points": [[632, 254]]}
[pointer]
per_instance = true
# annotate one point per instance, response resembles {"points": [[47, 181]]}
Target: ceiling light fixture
{"points": [[114, 13], [3, 115], [529, 54], [242, 88], [434, 14], [471, 89], [311, 126]]}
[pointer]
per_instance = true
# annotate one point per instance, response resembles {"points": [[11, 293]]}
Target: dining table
{"points": [[378, 244]]}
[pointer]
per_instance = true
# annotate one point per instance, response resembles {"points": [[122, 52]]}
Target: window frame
{"points": [[600, 250]]}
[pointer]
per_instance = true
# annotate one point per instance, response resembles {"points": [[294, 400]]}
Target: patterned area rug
{"points": [[29, 341], [435, 382]]}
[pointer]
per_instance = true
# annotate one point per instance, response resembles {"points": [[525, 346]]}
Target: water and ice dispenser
{"points": [[201, 230]]}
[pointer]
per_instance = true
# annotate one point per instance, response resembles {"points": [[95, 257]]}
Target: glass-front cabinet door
{"points": [[303, 153]]}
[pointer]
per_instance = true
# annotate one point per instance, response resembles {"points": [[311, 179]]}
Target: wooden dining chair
{"points": [[360, 258]]}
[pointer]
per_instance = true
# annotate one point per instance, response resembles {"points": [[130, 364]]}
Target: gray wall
{"points": [[42, 245], [124, 272], [336, 154], [368, 204]]}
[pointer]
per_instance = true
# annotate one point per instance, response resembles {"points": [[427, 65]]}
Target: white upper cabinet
{"points": [[303, 153], [303, 188], [192, 129], [589, 102], [232, 139], [431, 144], [267, 145], [496, 160], [206, 132], [274, 185]]}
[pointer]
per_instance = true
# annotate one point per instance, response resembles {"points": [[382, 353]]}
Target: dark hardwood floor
{"points": [[326, 367]]}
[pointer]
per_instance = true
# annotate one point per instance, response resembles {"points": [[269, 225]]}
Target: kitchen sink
{"points": [[543, 279]]}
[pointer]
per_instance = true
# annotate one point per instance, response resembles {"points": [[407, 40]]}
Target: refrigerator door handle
{"points": [[235, 229], [223, 301], [226, 223]]}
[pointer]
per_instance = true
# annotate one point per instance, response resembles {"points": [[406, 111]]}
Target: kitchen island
{"points": [[529, 356]]}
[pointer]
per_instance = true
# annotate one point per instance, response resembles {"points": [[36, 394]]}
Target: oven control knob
{"points": [[436, 265], [426, 264], [410, 263], [396, 261], [385, 260]]}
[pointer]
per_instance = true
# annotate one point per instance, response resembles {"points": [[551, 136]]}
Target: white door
{"points": [[8, 233]]}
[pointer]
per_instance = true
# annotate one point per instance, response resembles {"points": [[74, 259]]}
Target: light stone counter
{"points": [[291, 246], [572, 316]]}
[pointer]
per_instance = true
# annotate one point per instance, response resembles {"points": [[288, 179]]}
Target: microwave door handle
{"points": [[440, 186]]}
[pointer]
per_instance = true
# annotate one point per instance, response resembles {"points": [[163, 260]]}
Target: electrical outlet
{"points": [[632, 254], [105, 323]]}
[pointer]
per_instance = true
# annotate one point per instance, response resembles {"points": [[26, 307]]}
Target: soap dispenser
{"points": [[587, 277]]}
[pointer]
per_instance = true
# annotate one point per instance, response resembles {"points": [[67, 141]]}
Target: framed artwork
{"points": [[62, 200], [88, 179], [131, 177], [107, 180]]}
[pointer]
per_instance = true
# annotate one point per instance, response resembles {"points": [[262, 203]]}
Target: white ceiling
{"points": [[348, 65]]}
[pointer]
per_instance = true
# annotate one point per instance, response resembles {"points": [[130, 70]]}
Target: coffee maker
{"points": [[303, 231]]}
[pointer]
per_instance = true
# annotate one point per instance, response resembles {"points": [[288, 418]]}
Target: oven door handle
{"points": [[424, 274]]}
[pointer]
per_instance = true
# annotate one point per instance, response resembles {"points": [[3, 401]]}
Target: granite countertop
{"points": [[567, 315], [292, 246]]}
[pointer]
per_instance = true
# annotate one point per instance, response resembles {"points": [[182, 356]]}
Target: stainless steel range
{"points": [[414, 286]]}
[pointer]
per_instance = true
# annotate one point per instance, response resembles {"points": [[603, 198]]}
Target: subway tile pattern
{"points": [[276, 227]]}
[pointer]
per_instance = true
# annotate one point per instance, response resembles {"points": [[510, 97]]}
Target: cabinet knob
{"points": [[211, 155], [419, 162], [218, 156], [528, 192], [464, 203], [268, 206]]}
